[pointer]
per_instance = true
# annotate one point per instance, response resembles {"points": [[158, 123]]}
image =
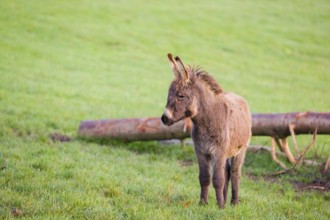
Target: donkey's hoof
{"points": [[203, 203], [234, 202], [221, 206]]}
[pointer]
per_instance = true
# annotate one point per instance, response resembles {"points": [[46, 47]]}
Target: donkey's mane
{"points": [[206, 78]]}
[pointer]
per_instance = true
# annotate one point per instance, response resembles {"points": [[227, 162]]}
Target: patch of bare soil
{"points": [[186, 163], [318, 185], [17, 212], [315, 185], [269, 179], [58, 137]]}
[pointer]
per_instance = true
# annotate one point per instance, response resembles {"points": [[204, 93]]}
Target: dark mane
{"points": [[208, 79]]}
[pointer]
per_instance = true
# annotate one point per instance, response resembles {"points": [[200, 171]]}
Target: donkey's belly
{"points": [[233, 151], [213, 149], [209, 146]]}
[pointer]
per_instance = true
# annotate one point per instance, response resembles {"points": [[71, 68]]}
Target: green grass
{"points": [[66, 61]]}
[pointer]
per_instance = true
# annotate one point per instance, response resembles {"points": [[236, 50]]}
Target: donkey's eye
{"points": [[180, 97]]}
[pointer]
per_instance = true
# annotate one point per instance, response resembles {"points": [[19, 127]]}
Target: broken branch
{"points": [[300, 158]]}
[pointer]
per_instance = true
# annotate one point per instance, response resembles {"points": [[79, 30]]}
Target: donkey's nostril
{"points": [[165, 119]]}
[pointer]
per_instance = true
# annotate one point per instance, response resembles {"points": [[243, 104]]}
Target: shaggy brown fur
{"points": [[221, 127]]}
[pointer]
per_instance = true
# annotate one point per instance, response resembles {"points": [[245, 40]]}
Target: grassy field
{"points": [[66, 61]]}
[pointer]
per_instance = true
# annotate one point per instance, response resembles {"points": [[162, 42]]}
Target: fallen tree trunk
{"points": [[135, 129], [277, 125], [140, 129]]}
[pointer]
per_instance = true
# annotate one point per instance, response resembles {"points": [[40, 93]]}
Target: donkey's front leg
{"points": [[218, 179], [204, 176]]}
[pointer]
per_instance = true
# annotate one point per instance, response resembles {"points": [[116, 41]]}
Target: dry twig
{"points": [[291, 128], [326, 166], [286, 149], [299, 159], [274, 157]]}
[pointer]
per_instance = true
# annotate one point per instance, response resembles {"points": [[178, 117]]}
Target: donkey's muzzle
{"points": [[166, 120]]}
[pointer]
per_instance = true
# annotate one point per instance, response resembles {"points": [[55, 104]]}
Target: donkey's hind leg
{"points": [[227, 177], [236, 167]]}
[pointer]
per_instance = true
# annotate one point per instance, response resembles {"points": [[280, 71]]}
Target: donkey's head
{"points": [[181, 100]]}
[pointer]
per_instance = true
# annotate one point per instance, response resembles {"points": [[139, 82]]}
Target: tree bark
{"points": [[277, 125], [141, 129], [135, 129]]}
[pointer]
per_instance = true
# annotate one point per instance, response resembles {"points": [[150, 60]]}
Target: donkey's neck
{"points": [[208, 105]]}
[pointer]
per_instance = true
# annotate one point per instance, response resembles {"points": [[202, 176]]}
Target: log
{"points": [[135, 129], [277, 125], [142, 129]]}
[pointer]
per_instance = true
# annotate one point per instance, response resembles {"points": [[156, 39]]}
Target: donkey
{"points": [[221, 127]]}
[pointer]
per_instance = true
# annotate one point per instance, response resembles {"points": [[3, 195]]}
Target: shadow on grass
{"points": [[154, 148]]}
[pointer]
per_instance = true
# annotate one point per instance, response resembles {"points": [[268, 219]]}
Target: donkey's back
{"points": [[238, 122]]}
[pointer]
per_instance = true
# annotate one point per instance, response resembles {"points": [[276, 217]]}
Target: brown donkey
{"points": [[221, 127]]}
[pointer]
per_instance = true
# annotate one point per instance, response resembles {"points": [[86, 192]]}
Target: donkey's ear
{"points": [[182, 69], [173, 65]]}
